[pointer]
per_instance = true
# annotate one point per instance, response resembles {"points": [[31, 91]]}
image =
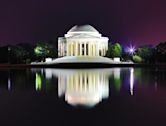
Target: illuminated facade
{"points": [[83, 87], [82, 41]]}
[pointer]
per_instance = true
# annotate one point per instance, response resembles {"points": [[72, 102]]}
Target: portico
{"points": [[82, 49]]}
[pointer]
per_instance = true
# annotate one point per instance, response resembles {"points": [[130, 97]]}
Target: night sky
{"points": [[138, 22]]}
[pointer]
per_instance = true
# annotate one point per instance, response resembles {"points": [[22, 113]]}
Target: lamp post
{"points": [[9, 79], [9, 54]]}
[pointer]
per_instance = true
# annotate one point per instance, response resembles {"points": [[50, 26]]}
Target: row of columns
{"points": [[83, 83], [62, 49], [103, 51], [82, 49]]}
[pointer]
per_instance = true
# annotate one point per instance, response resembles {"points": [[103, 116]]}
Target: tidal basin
{"points": [[114, 96]]}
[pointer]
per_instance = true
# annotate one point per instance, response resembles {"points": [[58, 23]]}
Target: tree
{"points": [[19, 54], [146, 53], [114, 51], [4, 54], [43, 50], [28, 48], [137, 59], [161, 52]]}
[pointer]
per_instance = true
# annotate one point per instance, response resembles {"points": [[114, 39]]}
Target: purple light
{"points": [[131, 50]]}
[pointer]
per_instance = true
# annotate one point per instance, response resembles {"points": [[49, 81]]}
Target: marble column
{"points": [[67, 49], [62, 49], [102, 51], [80, 49], [94, 50], [85, 49], [76, 49], [89, 49], [71, 49], [97, 49]]}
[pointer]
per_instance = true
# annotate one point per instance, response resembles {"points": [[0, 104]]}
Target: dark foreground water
{"points": [[116, 96]]}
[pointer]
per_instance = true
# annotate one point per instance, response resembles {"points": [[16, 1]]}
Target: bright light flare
{"points": [[131, 50]]}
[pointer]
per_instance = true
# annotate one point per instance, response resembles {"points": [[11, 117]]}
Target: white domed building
{"points": [[82, 44], [82, 41]]}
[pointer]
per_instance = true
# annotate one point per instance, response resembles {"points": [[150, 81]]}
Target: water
{"points": [[115, 96]]}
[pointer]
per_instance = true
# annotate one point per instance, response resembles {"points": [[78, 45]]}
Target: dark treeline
{"points": [[26, 53], [161, 52], [145, 54]]}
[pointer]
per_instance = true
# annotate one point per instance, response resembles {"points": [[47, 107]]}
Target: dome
{"points": [[83, 28]]}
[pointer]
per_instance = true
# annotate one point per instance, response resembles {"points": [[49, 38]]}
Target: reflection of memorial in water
{"points": [[86, 86], [83, 87]]}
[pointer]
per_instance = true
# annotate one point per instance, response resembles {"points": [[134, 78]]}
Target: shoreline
{"points": [[78, 65]]}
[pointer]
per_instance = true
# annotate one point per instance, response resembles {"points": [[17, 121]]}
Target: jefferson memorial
{"points": [[82, 44], [82, 40]]}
